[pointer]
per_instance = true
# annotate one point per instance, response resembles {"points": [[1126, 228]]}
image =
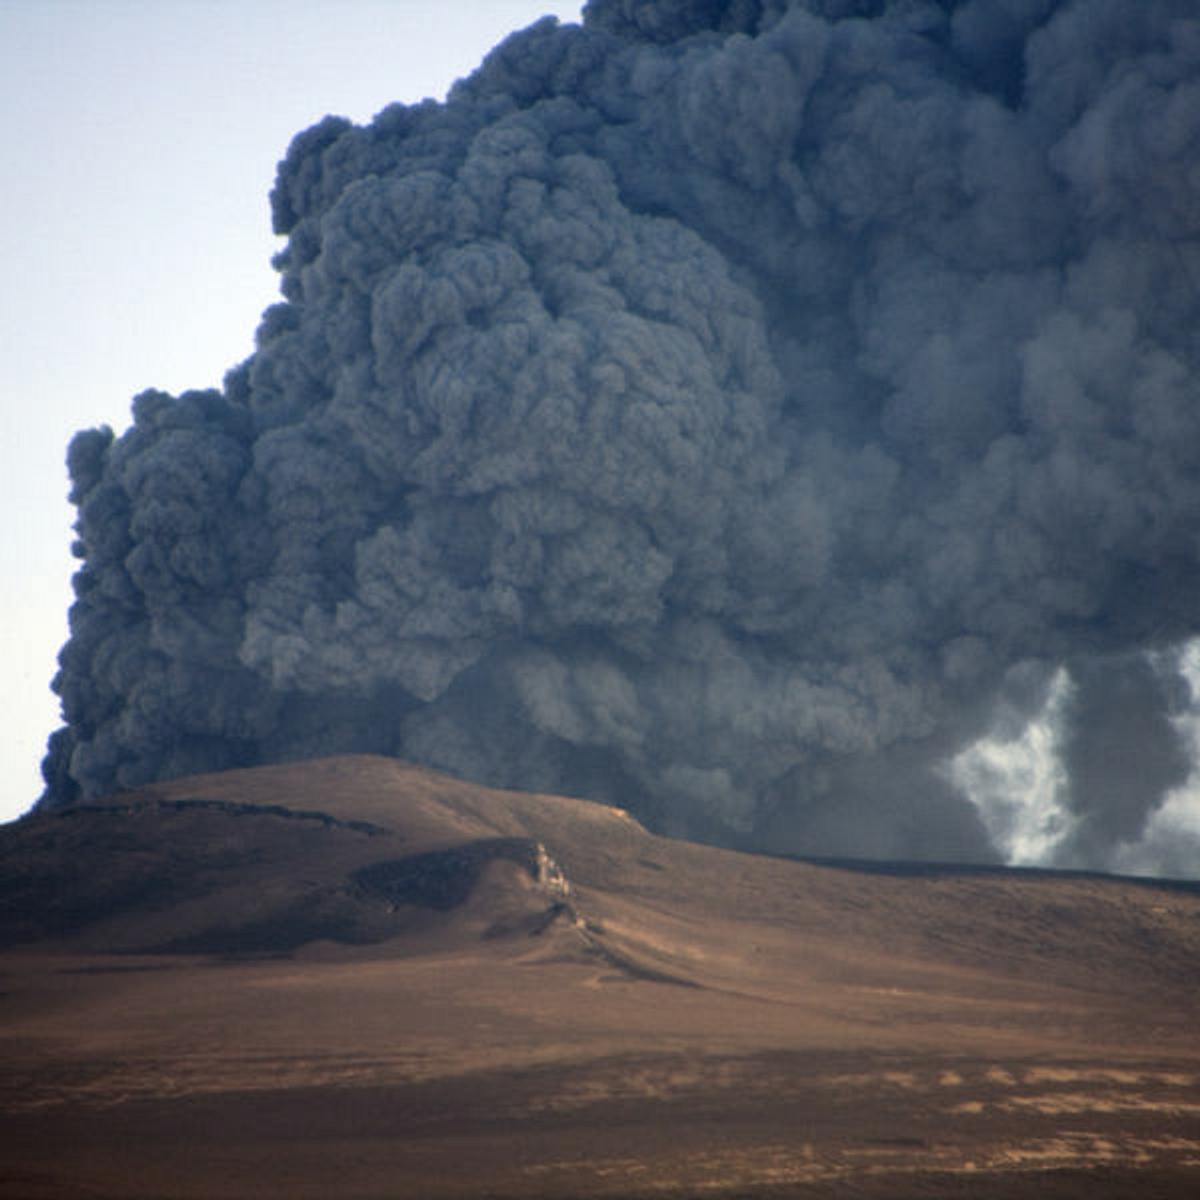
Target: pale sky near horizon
{"points": [[142, 139]]}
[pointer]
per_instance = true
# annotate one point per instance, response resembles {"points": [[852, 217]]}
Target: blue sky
{"points": [[142, 138]]}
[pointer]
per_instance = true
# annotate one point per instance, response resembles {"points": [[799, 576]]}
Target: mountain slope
{"points": [[531, 995]]}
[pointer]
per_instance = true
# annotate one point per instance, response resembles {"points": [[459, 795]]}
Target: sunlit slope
{"points": [[357, 977], [275, 857]]}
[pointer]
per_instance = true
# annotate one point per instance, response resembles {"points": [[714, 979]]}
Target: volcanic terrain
{"points": [[360, 978]]}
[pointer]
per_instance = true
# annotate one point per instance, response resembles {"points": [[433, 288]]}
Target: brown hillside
{"points": [[356, 977]]}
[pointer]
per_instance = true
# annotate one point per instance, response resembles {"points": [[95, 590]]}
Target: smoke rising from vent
{"points": [[729, 410]]}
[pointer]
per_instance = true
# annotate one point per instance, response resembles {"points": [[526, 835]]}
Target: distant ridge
{"points": [[274, 857], [919, 869]]}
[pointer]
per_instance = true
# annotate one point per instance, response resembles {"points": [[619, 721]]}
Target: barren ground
{"points": [[354, 978]]}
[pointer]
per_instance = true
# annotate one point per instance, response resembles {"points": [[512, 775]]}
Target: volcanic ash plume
{"points": [[730, 410]]}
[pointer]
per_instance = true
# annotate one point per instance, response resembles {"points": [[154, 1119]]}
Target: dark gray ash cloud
{"points": [[732, 410]]}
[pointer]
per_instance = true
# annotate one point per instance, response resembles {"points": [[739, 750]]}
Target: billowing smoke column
{"points": [[732, 410]]}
